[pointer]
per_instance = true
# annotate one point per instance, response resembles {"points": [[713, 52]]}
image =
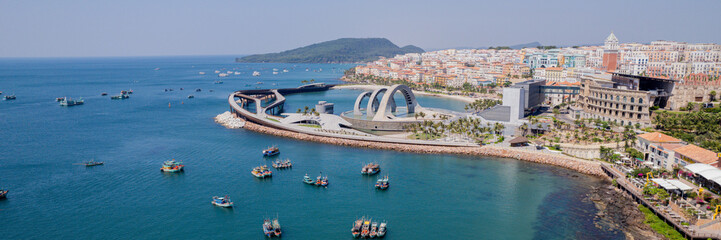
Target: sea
{"points": [[430, 196]]}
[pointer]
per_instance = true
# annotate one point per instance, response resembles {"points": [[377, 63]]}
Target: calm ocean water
{"points": [[431, 196]]}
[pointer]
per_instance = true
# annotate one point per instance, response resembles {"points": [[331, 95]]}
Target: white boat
{"points": [[256, 73], [222, 75], [201, 73], [285, 70], [275, 73], [236, 73], [222, 202]]}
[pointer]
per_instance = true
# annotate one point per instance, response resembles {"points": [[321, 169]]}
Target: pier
{"points": [[688, 231]]}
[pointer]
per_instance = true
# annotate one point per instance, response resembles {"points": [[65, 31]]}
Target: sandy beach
{"points": [[466, 99]]}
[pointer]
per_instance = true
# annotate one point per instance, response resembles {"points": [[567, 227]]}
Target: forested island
{"points": [[344, 50]]}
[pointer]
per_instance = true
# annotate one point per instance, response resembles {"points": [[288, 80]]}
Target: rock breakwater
{"points": [[579, 165], [228, 120]]}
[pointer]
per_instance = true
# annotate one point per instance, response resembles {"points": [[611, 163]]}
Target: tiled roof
{"points": [[698, 154], [658, 137]]}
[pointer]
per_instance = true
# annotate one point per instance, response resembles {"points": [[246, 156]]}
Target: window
{"points": [[640, 100], [624, 98], [617, 98]]}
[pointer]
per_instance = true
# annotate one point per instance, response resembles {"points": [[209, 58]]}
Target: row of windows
{"points": [[616, 113], [617, 106], [618, 98]]}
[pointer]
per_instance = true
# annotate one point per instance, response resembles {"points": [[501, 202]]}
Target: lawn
{"points": [[309, 125], [659, 225], [424, 136]]}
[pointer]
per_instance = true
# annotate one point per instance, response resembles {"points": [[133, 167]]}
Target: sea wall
{"points": [[579, 165]]}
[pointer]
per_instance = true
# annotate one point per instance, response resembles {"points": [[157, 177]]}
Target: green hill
{"points": [[344, 50]]}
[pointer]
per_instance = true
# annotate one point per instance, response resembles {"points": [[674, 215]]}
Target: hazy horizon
{"points": [[77, 28]]}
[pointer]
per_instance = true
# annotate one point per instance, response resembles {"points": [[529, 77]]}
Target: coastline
{"points": [[579, 165], [465, 99]]}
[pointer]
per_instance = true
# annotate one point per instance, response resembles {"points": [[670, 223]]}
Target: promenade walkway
{"points": [[665, 213]]}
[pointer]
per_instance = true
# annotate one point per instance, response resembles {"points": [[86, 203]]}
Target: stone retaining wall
{"points": [[579, 165]]}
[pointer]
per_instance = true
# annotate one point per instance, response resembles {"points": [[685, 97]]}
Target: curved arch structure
{"points": [[356, 106], [373, 105], [388, 100]]}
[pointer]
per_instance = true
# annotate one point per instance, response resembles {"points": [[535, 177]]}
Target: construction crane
{"points": [[718, 209], [647, 178]]}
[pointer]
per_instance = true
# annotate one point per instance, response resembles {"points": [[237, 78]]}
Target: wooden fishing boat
{"points": [[374, 230], [357, 228], [4, 193], [370, 169], [276, 228], [222, 202], [268, 228], [172, 166], [308, 180], [271, 151], [382, 229]]}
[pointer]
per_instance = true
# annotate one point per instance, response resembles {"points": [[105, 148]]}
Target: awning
{"points": [[664, 184], [648, 163], [680, 185]]}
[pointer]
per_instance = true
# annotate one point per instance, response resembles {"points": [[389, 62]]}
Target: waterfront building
{"points": [[668, 152], [623, 99]]}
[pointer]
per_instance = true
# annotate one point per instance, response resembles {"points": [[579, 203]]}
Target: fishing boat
{"points": [[3, 193], [222, 202], [268, 228], [218, 82], [282, 164], [121, 96], [308, 180], [191, 96], [271, 151], [130, 91], [201, 73], [92, 163], [374, 230], [198, 90], [285, 70], [370, 169], [382, 183], [275, 73], [256, 73], [66, 102], [356, 227], [106, 94], [382, 229], [366, 228], [10, 97], [59, 99], [321, 181], [276, 228], [172, 166], [261, 172], [123, 92]]}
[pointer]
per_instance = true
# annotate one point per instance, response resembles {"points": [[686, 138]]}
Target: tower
{"points": [[610, 53]]}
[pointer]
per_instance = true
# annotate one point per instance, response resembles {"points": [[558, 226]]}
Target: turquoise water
{"points": [[430, 197]]}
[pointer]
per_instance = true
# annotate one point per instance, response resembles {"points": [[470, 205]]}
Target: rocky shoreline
{"points": [[618, 210], [579, 165]]}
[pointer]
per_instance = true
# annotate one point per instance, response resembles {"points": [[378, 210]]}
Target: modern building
{"points": [[519, 100], [668, 152], [324, 107], [622, 98]]}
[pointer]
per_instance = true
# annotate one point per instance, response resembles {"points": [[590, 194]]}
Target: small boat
{"points": [[308, 180], [256, 73], [366, 229], [370, 169], [181, 89], [92, 163], [382, 183], [201, 73], [268, 228], [285, 70], [218, 82], [258, 83], [382, 229], [261, 172], [356, 227], [123, 92], [271, 151], [222, 202], [282, 164], [4, 193], [211, 90], [275, 73], [321, 181], [306, 69], [106, 94], [10, 97], [374, 230], [130, 91], [222, 75], [276, 228], [59, 99], [66, 101], [198, 90], [191, 96], [172, 166]]}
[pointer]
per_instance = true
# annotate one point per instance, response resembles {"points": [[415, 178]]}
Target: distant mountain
{"points": [[344, 50], [526, 45], [518, 46]]}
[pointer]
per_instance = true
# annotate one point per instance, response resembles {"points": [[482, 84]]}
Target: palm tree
{"points": [[524, 129], [712, 96]]}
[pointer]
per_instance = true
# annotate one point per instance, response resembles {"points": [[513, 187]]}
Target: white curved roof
{"points": [[706, 171]]}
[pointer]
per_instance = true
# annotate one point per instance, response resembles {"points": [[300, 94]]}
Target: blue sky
{"points": [[72, 28]]}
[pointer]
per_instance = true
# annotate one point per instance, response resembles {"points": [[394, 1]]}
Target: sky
{"points": [[90, 28]]}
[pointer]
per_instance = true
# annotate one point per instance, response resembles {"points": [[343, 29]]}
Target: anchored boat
{"points": [[3, 193], [268, 228], [276, 228], [271, 151], [172, 166], [10, 97], [282, 164], [92, 163], [308, 180], [356, 230], [66, 102], [121, 96], [382, 183], [374, 230], [382, 229], [321, 181], [222, 202], [370, 169], [261, 172], [366, 228]]}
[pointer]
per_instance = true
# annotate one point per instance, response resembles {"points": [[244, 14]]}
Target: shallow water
{"points": [[430, 197]]}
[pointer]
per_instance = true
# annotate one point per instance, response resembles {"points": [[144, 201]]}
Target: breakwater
{"points": [[579, 165]]}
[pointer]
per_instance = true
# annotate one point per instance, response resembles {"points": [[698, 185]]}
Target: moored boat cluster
{"points": [[366, 228], [261, 172]]}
